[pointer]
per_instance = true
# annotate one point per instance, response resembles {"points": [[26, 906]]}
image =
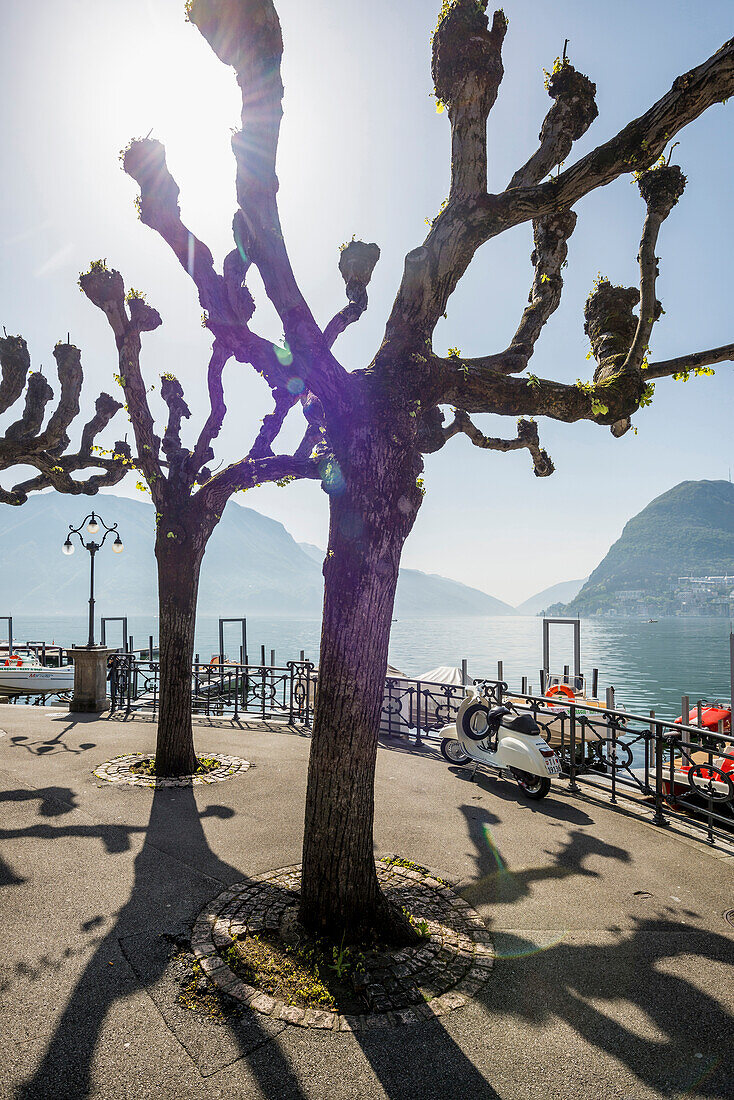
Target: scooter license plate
{"points": [[553, 766]]}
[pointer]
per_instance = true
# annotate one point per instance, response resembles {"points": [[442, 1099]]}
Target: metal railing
{"points": [[229, 690], [665, 769], [675, 770]]}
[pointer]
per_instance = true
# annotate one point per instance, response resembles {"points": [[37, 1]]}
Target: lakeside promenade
{"points": [[613, 960]]}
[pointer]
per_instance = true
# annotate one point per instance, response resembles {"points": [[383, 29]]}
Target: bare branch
{"points": [[433, 270], [15, 362], [526, 439], [573, 111], [467, 72], [203, 451], [23, 444], [684, 363], [106, 290], [247, 36], [172, 394], [272, 423], [248, 473], [356, 263]]}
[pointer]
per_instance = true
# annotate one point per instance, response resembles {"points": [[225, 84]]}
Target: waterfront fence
{"points": [[661, 769]]}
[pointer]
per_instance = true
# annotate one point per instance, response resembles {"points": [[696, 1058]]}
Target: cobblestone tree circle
{"points": [[417, 982]]}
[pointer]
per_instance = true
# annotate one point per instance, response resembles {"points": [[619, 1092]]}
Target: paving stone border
{"points": [[117, 770], [405, 986]]}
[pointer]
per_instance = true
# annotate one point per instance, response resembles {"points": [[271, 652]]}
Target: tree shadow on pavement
{"points": [[637, 995], [175, 874]]}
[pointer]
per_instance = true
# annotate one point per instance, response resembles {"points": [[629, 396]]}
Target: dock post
{"points": [[272, 658], [685, 713], [594, 682], [659, 816], [500, 670], [542, 681], [302, 655], [572, 784], [464, 672], [524, 686], [610, 698]]}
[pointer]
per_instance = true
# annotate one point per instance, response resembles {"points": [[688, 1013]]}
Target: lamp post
{"points": [[92, 522]]}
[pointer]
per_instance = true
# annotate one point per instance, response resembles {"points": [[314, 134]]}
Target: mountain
{"points": [[438, 595], [557, 593], [252, 566], [686, 532]]}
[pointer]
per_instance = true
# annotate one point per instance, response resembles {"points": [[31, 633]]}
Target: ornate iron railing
{"points": [[666, 770], [219, 690], [669, 770]]}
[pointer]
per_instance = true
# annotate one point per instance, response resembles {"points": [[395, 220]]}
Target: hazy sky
{"points": [[363, 152]]}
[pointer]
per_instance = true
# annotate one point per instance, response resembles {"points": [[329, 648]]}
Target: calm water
{"points": [[650, 665]]}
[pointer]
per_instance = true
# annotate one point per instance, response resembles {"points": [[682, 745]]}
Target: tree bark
{"points": [[179, 553], [374, 502]]}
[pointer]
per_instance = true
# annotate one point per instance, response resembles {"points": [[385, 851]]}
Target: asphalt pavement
{"points": [[614, 955]]}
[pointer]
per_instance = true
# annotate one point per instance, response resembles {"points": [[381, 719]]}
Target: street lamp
{"points": [[92, 547]]}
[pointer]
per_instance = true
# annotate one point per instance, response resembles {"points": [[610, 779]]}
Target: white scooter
{"points": [[503, 740]]}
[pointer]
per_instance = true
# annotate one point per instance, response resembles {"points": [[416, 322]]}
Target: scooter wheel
{"points": [[474, 723], [453, 752], [533, 786]]}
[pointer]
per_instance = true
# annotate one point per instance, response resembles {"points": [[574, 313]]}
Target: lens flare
{"points": [[332, 479], [283, 355], [503, 882]]}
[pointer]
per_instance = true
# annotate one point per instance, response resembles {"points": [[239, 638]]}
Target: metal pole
{"points": [[500, 670], [594, 682], [262, 658], [272, 658], [546, 651], [577, 652], [92, 551], [10, 642], [610, 698], [524, 686], [465, 673], [685, 712], [150, 647]]}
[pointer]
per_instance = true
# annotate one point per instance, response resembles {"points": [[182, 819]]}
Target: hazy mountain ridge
{"points": [[252, 566], [557, 593], [687, 531]]}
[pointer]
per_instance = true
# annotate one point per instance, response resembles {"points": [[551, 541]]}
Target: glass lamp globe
{"points": [[68, 547], [93, 526], [117, 545]]}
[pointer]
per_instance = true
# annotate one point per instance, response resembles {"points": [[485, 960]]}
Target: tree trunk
{"points": [[373, 508], [179, 553]]}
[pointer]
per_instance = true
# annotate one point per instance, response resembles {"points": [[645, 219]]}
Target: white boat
{"points": [[24, 676]]}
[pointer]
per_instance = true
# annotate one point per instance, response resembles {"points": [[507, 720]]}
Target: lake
{"points": [[650, 665]]}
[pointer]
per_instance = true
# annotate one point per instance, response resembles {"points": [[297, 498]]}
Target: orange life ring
{"points": [[560, 688], [18, 660]]}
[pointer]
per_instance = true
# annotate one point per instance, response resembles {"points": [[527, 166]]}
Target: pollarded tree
{"points": [[382, 419], [26, 442], [189, 499]]}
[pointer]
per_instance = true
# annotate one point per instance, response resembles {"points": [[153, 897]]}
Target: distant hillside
{"points": [[252, 566], [688, 531], [557, 593], [439, 595]]}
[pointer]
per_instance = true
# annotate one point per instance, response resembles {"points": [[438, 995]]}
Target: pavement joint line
{"points": [[407, 986]]}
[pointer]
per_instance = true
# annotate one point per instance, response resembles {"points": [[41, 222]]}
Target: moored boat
{"points": [[25, 676]]}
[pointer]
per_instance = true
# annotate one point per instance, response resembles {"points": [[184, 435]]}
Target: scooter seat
{"points": [[523, 723], [496, 714]]}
